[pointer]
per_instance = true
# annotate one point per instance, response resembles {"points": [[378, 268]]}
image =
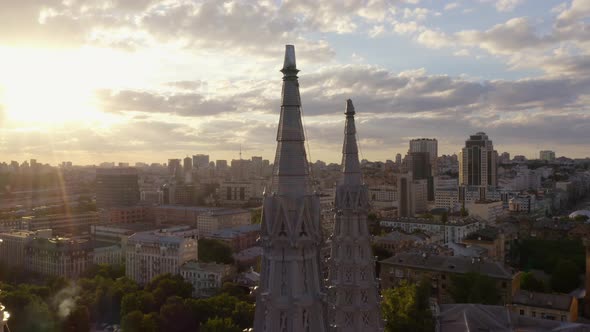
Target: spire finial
{"points": [[289, 57], [349, 107], [289, 65], [350, 159]]}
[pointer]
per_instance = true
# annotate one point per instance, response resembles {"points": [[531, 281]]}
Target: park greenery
{"points": [[108, 298], [474, 288], [406, 308], [563, 259], [214, 251]]}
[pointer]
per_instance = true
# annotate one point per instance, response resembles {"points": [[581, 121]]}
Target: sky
{"points": [[147, 80]]}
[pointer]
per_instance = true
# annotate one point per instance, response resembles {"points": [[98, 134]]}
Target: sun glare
{"points": [[54, 86]]}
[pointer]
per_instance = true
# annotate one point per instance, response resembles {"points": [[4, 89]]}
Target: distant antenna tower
{"points": [[240, 151]]}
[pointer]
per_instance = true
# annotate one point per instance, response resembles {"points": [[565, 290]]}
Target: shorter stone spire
{"points": [[351, 168]]}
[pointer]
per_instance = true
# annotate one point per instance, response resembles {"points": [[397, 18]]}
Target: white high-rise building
{"points": [[547, 155], [429, 145], [291, 296], [478, 162], [354, 297]]}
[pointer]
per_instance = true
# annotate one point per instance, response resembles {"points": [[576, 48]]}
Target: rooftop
{"points": [[451, 264], [543, 300], [466, 317], [235, 231], [209, 267], [433, 221]]}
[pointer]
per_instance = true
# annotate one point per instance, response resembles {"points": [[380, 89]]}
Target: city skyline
{"points": [[91, 81]]}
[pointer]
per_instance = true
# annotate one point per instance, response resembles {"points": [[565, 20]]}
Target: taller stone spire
{"points": [[291, 295], [291, 169], [354, 297]]}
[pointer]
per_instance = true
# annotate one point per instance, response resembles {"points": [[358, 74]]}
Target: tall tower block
{"points": [[354, 297], [291, 295]]}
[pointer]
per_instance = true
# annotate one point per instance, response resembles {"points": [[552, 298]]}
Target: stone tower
{"points": [[354, 297], [291, 295]]}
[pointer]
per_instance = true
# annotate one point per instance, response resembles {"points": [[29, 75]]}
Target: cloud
{"points": [[434, 39], [507, 5], [515, 34], [451, 6]]}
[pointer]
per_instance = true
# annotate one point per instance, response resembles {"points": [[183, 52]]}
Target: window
{"points": [[521, 312], [534, 314]]}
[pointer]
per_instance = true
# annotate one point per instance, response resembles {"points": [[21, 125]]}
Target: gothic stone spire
{"points": [[291, 169], [291, 296], [354, 299]]}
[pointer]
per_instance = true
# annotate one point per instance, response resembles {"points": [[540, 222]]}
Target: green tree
{"points": [[166, 285], [565, 277], [176, 316], [444, 218], [236, 290], [406, 308], [78, 320], [243, 314], [214, 251], [220, 325], [464, 212], [474, 288], [530, 283], [256, 216], [132, 322], [141, 301]]}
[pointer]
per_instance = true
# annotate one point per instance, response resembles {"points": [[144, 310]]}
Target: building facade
{"points": [[149, 254], [478, 162], [116, 187], [206, 278], [547, 155], [58, 257], [451, 231], [212, 221]]}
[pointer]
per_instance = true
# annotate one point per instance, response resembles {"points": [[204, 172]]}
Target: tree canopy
{"points": [[406, 308], [214, 251], [474, 288], [565, 277]]}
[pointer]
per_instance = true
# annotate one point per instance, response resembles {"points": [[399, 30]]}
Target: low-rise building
{"points": [[466, 317], [149, 254], [490, 238], [127, 214], [239, 193], [107, 253], [215, 220], [383, 196], [62, 223], [397, 241], [560, 307], [58, 257], [447, 198], [206, 278], [439, 270], [451, 231], [487, 210], [14, 243], [248, 257], [237, 238]]}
